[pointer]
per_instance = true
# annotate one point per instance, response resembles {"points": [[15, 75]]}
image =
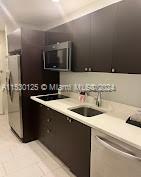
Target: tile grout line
{"points": [[4, 169], [59, 167]]}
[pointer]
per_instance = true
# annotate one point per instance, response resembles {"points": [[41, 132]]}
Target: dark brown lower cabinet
{"points": [[68, 139], [46, 133]]}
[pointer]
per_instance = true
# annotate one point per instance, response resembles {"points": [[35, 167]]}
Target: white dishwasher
{"points": [[113, 158]]}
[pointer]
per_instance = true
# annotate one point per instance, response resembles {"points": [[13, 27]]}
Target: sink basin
{"points": [[86, 111]]}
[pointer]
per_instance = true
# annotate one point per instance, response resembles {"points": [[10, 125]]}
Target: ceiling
{"points": [[40, 13]]}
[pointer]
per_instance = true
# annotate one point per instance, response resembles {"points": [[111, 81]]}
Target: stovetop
{"points": [[52, 97]]}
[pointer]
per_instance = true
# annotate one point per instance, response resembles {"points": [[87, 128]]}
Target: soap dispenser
{"points": [[82, 97]]}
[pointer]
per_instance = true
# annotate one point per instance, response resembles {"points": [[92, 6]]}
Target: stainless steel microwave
{"points": [[57, 57]]}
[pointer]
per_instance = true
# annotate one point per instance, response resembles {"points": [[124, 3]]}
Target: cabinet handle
{"points": [[70, 121], [90, 69], [68, 118], [48, 120], [48, 131], [113, 70], [86, 69]]}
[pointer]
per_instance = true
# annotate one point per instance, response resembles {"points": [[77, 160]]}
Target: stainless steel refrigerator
{"points": [[15, 95]]}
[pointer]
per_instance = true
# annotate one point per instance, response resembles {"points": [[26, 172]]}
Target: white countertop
{"points": [[113, 122]]}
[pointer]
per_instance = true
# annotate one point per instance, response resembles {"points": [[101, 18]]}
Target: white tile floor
{"points": [[26, 160]]}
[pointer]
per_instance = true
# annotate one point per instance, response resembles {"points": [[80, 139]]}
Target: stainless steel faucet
{"points": [[102, 88], [98, 99]]}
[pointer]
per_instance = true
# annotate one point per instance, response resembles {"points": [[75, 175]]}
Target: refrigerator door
{"points": [[14, 95]]}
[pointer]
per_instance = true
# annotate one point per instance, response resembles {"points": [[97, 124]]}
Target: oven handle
{"points": [[116, 150]]}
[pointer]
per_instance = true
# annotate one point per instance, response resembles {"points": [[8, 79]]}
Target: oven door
{"points": [[57, 59]]}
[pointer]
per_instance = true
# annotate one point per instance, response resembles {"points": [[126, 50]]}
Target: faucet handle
{"points": [[113, 87]]}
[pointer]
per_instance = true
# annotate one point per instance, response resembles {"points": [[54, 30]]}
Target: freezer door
{"points": [[14, 95]]}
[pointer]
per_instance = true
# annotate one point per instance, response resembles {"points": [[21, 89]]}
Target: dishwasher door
{"points": [[112, 158]]}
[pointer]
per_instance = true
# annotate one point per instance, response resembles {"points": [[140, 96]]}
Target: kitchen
{"points": [[73, 88]]}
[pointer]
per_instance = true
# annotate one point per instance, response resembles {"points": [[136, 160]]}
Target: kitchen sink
{"points": [[86, 111]]}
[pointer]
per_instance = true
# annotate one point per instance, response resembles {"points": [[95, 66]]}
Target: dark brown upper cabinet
{"points": [[22, 37], [77, 31], [127, 49], [81, 29], [14, 41], [108, 40], [102, 38], [60, 33]]}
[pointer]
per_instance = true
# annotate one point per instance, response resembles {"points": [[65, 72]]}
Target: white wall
{"points": [[3, 68], [128, 85]]}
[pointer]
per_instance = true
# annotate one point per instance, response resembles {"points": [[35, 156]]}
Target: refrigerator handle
{"points": [[7, 82], [10, 88]]}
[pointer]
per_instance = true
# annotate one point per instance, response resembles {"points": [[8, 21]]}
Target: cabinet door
{"points": [[33, 37], [81, 43], [14, 41], [63, 138], [127, 51], [73, 141], [80, 147], [61, 33], [102, 35], [46, 128], [30, 115]]}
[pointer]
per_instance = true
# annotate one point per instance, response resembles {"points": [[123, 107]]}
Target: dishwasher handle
{"points": [[116, 150]]}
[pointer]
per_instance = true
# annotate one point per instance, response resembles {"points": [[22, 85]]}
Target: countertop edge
{"points": [[91, 125]]}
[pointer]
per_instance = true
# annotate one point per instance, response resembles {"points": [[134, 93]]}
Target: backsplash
{"points": [[128, 86]]}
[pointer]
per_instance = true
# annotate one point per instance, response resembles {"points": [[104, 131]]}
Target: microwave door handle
{"points": [[116, 150], [44, 59]]}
